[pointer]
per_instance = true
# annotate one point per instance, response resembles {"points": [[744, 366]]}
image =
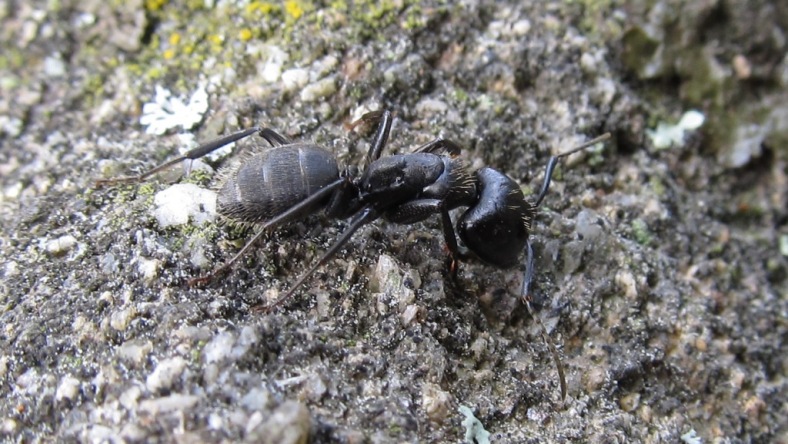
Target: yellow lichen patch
{"points": [[261, 7], [294, 9], [154, 5], [216, 39], [245, 34]]}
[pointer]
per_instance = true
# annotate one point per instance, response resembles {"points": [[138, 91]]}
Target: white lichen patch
{"points": [[666, 135], [474, 430], [272, 69], [167, 112], [691, 437], [180, 202]]}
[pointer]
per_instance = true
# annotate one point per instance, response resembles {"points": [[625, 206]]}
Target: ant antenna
{"points": [[529, 262], [551, 164]]}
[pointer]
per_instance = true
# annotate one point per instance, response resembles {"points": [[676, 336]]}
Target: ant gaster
{"points": [[294, 179]]}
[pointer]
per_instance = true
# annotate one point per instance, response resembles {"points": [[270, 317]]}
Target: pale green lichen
{"points": [[667, 135], [474, 429]]}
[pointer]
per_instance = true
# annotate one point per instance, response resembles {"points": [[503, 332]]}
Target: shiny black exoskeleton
{"points": [[294, 179]]}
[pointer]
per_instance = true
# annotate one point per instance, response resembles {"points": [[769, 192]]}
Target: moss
{"points": [[367, 18], [595, 21], [94, 87], [196, 352], [657, 185], [638, 50], [201, 178], [460, 95], [703, 83], [414, 19], [12, 58], [124, 194], [596, 156], [146, 189], [641, 232]]}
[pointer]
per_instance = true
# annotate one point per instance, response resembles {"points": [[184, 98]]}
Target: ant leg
{"points": [[365, 216], [450, 237], [384, 119], [381, 136], [419, 210], [291, 213], [274, 138], [438, 146], [551, 164], [526, 298]]}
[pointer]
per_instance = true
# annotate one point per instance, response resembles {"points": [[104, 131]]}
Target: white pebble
{"points": [[219, 348], [68, 389], [295, 78], [319, 90], [165, 374], [61, 245], [170, 403]]}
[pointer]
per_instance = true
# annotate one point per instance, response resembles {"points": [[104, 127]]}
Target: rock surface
{"points": [[661, 273]]}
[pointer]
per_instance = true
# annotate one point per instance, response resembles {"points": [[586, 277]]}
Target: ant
{"points": [[294, 179]]}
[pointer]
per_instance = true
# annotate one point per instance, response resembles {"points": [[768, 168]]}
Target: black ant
{"points": [[294, 179]]}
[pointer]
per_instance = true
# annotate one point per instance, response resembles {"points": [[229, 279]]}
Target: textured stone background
{"points": [[661, 271]]}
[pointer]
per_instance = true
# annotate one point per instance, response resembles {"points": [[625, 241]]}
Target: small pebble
{"points": [[176, 402], [167, 372], [61, 245], [68, 389], [319, 90]]}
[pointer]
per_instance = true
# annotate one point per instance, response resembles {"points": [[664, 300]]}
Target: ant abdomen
{"points": [[270, 182]]}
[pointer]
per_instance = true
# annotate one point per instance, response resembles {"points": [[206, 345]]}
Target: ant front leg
{"points": [[274, 138], [384, 119]]}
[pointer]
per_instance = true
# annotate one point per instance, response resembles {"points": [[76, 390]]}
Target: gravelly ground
{"points": [[661, 271]]}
